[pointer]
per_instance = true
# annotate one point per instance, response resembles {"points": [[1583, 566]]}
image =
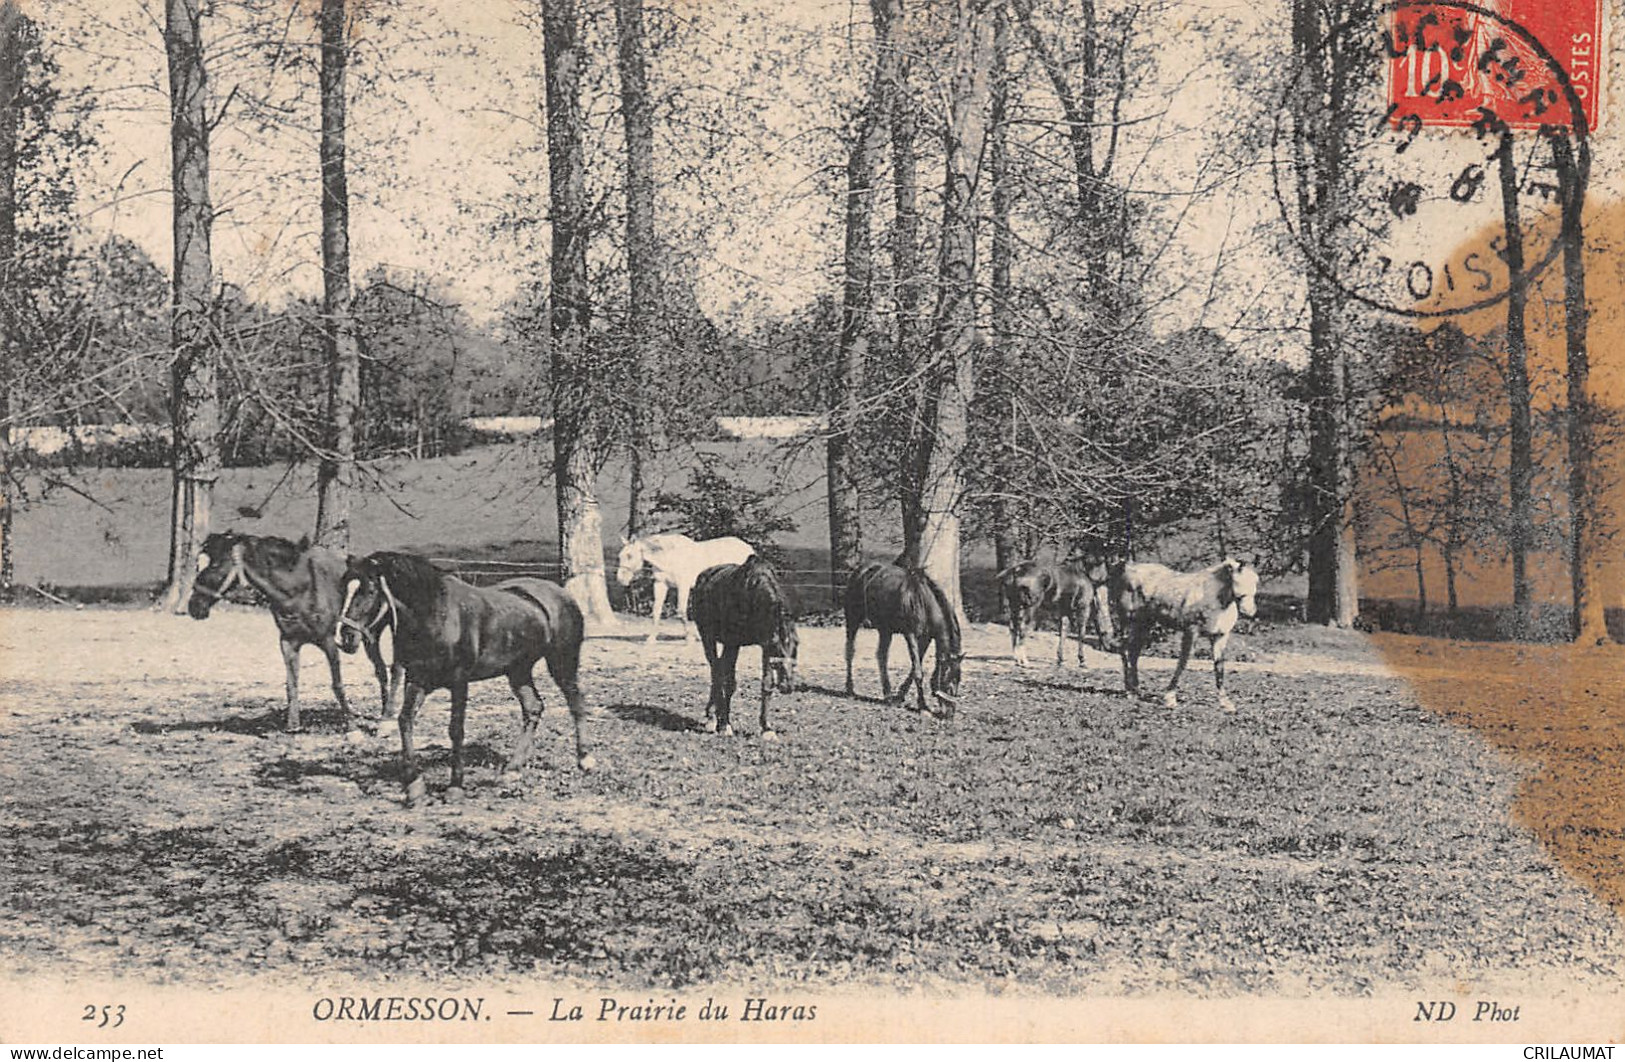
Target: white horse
{"points": [[1148, 595], [677, 561]]}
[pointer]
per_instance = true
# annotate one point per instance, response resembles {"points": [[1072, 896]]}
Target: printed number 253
{"points": [[111, 1014]]}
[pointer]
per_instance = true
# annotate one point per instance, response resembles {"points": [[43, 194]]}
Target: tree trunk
{"points": [[11, 83], [910, 281], [1586, 541], [953, 339], [194, 401], [1520, 442], [1006, 508], [642, 251], [575, 435], [335, 481], [857, 311], [1321, 114]]}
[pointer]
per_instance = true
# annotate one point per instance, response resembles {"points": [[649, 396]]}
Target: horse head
{"points": [[945, 679], [630, 561], [1243, 585], [220, 569], [368, 602], [781, 655]]}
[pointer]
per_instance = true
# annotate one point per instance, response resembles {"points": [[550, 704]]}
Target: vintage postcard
{"points": [[664, 521]]}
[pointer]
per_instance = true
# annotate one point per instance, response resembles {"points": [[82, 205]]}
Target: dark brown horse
{"points": [[1145, 596], [735, 605], [449, 634], [1074, 590], [905, 601], [304, 586]]}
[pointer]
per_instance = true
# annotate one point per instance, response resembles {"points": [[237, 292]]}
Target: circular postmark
{"points": [[1420, 199]]}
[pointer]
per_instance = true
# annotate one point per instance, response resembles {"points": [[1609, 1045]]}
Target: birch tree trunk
{"points": [[575, 422], [953, 339], [335, 481], [910, 281], [194, 400], [11, 83]]}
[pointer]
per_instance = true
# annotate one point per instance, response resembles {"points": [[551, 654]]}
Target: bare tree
{"points": [[908, 272], [575, 429], [864, 157], [642, 249], [336, 478], [952, 371], [11, 85], [1002, 294], [1589, 622], [194, 400], [1322, 113], [1520, 456]]}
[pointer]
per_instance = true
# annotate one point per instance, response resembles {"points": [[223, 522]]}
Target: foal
{"points": [[1148, 595], [1074, 590]]}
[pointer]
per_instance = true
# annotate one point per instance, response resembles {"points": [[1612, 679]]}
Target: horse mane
{"points": [[411, 578], [950, 621], [273, 552]]}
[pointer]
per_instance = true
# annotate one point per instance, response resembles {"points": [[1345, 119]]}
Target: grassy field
{"points": [[1347, 832]]}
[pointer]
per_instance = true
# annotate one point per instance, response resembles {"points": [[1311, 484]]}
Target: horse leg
{"points": [[767, 693], [330, 649], [730, 682], [1133, 638], [851, 647], [1080, 624], [1221, 642], [682, 612], [916, 671], [410, 778], [713, 660], [659, 606], [290, 661], [530, 718], [1186, 636], [459, 712], [1060, 645], [564, 664], [381, 671], [1018, 633], [882, 651]]}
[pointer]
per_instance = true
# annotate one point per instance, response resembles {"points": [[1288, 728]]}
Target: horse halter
{"points": [[387, 606], [233, 577]]}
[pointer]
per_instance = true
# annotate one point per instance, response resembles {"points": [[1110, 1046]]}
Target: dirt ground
{"points": [[1379, 816]]}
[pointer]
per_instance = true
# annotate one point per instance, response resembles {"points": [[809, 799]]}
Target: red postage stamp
{"points": [[1450, 63]]}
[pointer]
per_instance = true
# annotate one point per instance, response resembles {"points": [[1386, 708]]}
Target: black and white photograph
{"points": [[771, 521]]}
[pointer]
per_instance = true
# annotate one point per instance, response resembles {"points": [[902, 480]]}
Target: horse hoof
{"points": [[770, 735], [1170, 699], [355, 737], [454, 795], [726, 731], [387, 730], [1226, 704], [416, 790], [586, 763]]}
